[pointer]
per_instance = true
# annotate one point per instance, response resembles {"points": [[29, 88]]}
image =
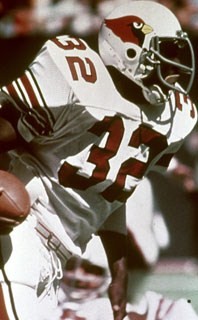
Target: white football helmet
{"points": [[145, 42]]}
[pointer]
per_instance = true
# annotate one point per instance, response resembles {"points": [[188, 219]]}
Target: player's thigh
{"points": [[22, 255], [25, 266], [17, 302]]}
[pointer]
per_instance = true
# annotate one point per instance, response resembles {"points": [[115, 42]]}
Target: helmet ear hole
{"points": [[131, 53]]}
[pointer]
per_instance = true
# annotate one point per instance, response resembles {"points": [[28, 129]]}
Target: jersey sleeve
{"points": [[37, 95], [163, 163]]}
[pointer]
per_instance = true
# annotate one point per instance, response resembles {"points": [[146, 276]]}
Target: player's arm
{"points": [[113, 235], [115, 247], [9, 115]]}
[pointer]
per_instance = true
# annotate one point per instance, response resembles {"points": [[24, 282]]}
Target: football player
{"points": [[84, 129]]}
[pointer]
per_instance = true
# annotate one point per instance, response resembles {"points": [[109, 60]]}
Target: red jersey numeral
{"points": [[98, 156], [186, 100], [143, 135], [70, 44], [87, 69]]}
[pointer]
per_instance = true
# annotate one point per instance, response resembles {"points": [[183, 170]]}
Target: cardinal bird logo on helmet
{"points": [[129, 29]]}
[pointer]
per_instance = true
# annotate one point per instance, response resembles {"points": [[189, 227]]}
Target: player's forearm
{"points": [[115, 247], [9, 115], [8, 136]]}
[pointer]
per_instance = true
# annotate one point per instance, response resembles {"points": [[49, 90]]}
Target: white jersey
{"points": [[89, 145]]}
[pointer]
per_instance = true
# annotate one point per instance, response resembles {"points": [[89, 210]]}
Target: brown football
{"points": [[14, 200]]}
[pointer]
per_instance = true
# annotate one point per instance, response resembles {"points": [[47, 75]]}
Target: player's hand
{"points": [[118, 289]]}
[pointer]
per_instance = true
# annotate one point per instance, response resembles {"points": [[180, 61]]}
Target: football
{"points": [[14, 201]]}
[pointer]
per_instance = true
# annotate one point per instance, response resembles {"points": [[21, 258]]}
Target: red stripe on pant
{"points": [[3, 311]]}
